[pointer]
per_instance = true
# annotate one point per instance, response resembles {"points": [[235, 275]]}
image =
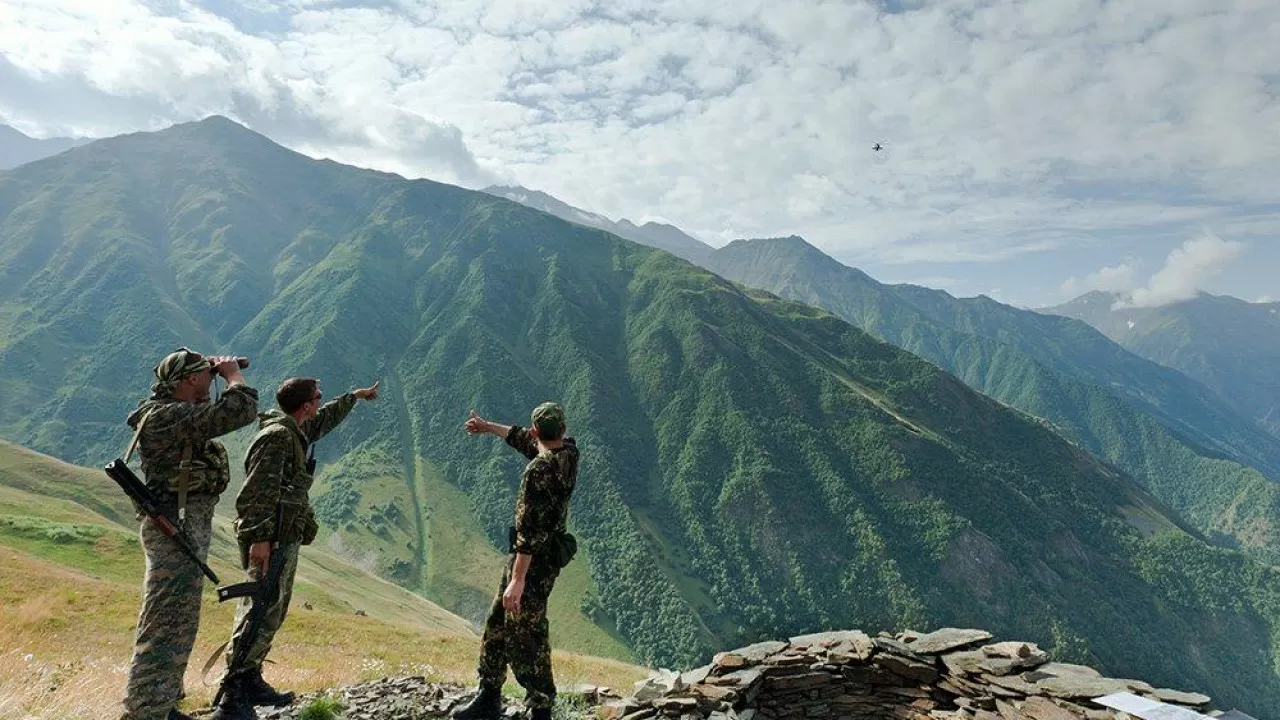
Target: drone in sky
{"points": [[877, 147]]}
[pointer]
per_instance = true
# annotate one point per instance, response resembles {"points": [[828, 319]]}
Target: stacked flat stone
{"points": [[949, 674]]}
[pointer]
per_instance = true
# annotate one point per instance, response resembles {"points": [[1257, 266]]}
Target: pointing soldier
{"points": [[187, 470], [516, 631], [274, 515]]}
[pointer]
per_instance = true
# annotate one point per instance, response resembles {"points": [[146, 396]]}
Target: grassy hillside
{"points": [[752, 467], [70, 574], [1170, 433]]}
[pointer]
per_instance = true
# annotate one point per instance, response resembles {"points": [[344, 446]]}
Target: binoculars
{"points": [[243, 362]]}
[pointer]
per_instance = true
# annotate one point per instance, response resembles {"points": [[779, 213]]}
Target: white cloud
{"points": [[1115, 279], [1184, 272], [1012, 128]]}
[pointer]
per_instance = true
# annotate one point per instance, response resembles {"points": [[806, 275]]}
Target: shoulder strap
{"points": [[184, 466], [310, 462], [133, 444], [301, 456]]}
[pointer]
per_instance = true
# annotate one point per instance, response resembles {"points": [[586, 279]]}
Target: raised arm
{"points": [[520, 439], [329, 416], [514, 435], [332, 413], [237, 408]]}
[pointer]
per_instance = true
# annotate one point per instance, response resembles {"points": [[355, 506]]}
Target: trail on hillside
{"points": [[404, 426]]}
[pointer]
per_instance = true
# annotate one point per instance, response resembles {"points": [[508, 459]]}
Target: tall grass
{"points": [[66, 638]]}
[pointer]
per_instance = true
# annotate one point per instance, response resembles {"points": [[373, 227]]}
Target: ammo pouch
{"points": [[209, 475], [204, 477], [297, 521], [559, 550], [563, 547]]}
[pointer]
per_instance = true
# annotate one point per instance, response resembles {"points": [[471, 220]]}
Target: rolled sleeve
{"points": [[519, 438]]}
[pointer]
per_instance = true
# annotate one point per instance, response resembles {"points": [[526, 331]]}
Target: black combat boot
{"points": [[235, 703], [175, 715], [486, 705], [541, 714], [260, 693]]}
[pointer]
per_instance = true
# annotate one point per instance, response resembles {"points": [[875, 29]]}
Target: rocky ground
{"points": [[415, 698], [948, 674]]}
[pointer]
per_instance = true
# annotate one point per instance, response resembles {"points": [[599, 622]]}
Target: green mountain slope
{"points": [[1230, 345], [751, 467], [1166, 430]]}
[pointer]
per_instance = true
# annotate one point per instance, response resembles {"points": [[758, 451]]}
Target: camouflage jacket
{"points": [[546, 486], [275, 469], [171, 425]]}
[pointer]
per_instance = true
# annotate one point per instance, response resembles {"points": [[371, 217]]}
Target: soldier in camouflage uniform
{"points": [[276, 475], [516, 631], [187, 470]]}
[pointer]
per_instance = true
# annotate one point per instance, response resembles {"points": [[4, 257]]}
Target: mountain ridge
{"points": [[660, 235]]}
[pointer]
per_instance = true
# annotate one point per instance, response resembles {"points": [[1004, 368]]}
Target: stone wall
{"points": [[949, 674]]}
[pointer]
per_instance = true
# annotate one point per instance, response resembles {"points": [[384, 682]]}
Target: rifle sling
{"points": [[208, 665], [133, 444], [184, 466], [184, 474]]}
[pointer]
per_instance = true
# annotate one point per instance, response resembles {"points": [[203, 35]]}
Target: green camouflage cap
{"points": [[548, 418], [181, 363]]}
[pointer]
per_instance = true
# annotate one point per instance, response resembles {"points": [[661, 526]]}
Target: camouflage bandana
{"points": [[177, 365], [548, 418]]}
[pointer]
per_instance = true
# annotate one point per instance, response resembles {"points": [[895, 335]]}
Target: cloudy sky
{"points": [[1034, 149]]}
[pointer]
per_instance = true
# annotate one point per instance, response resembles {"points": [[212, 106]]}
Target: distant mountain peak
{"points": [[791, 249], [214, 128], [1226, 343], [8, 132], [789, 242], [18, 148], [660, 235]]}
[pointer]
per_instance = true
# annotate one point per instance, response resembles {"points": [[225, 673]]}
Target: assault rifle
{"points": [[146, 502], [262, 593]]}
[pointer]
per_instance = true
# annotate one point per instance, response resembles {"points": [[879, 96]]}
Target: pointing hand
{"points": [[369, 393], [475, 424]]}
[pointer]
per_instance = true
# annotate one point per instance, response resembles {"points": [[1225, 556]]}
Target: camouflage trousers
{"points": [[170, 614], [521, 640], [277, 608]]}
